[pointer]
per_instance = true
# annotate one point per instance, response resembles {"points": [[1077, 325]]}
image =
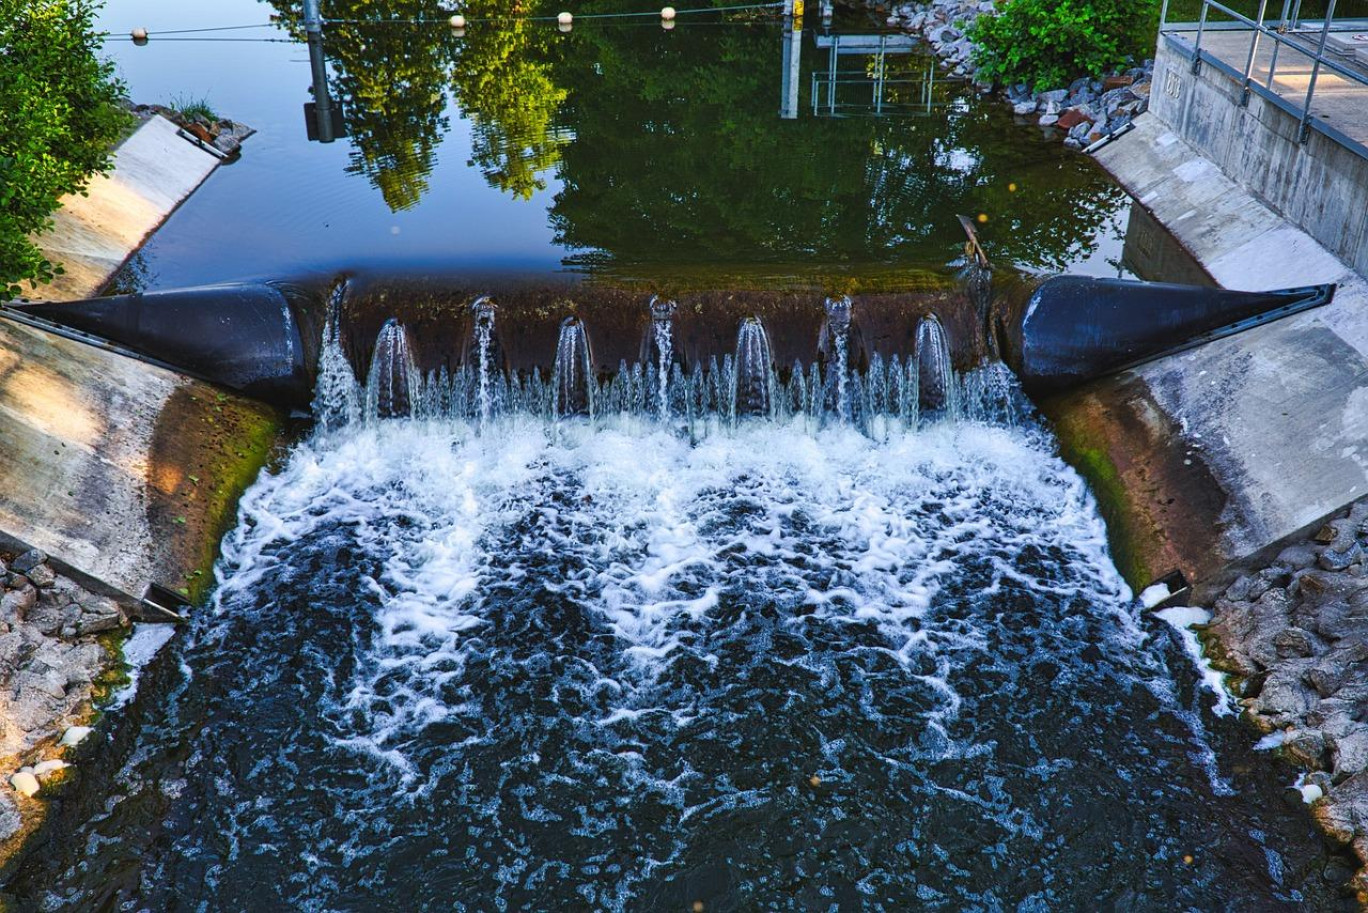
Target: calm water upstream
{"points": [[864, 649]]}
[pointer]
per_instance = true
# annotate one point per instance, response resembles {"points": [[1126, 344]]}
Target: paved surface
{"points": [[154, 170], [1338, 101], [1224, 450]]}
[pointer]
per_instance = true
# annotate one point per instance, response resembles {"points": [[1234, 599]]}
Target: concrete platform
{"points": [[1338, 101], [1206, 459], [92, 235]]}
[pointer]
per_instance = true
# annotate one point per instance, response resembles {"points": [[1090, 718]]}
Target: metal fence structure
{"points": [[1309, 38], [869, 88]]}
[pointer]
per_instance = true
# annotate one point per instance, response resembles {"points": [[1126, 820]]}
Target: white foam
{"points": [[1182, 619], [1153, 595], [142, 645]]}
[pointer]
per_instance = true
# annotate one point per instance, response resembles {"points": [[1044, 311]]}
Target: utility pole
{"points": [[321, 113]]}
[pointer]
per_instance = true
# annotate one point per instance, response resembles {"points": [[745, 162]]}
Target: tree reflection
{"points": [[504, 80], [670, 152]]}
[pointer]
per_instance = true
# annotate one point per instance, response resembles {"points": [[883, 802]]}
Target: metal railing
{"points": [[1286, 30]]}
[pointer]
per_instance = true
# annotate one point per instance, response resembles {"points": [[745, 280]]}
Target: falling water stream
{"points": [[624, 643]]}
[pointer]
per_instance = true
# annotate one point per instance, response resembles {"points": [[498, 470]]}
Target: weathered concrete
{"points": [[92, 235], [125, 474], [1205, 459], [1320, 186]]}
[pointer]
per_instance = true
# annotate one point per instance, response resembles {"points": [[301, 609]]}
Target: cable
{"points": [[166, 33]]}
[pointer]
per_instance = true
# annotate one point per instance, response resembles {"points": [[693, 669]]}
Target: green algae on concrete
{"points": [[1164, 511], [208, 446]]}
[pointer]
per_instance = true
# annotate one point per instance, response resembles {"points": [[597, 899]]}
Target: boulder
{"points": [[41, 576], [28, 561]]}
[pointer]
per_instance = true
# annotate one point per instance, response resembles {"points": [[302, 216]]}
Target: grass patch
{"points": [[193, 108]]}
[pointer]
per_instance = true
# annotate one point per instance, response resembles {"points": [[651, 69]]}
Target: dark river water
{"points": [[838, 657], [862, 648]]}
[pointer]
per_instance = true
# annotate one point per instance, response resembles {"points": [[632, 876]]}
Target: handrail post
{"points": [[313, 19], [1253, 51], [1305, 133], [1277, 43], [1197, 48]]}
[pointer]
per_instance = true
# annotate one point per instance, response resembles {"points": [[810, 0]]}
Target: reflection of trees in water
{"points": [[678, 153], [503, 78], [680, 156], [394, 81]]}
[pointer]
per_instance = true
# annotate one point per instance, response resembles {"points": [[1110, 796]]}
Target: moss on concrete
{"points": [[1080, 447], [210, 445]]}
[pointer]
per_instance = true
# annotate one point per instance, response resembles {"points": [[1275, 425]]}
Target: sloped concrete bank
{"points": [[155, 170], [115, 475], [1224, 463]]}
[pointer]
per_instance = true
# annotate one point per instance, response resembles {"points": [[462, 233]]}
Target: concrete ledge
{"points": [[124, 473], [1209, 458], [92, 235]]}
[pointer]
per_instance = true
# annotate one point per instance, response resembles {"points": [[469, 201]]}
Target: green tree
{"points": [[61, 117], [1048, 43]]}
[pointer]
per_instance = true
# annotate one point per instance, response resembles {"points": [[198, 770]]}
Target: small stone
{"points": [[1293, 642], [1339, 561], [1054, 97], [1072, 118], [1116, 82], [1325, 535], [1022, 108], [74, 736], [27, 561], [1306, 747], [15, 605], [1048, 120], [1081, 131], [25, 783], [41, 576], [1239, 590]]}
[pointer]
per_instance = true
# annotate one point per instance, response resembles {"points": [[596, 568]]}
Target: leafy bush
{"points": [[61, 116], [1048, 43]]}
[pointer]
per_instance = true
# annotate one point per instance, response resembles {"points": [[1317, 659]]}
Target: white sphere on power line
{"points": [[458, 21], [139, 34], [565, 19], [668, 13]]}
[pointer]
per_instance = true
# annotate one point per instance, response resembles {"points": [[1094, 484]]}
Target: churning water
{"points": [[492, 658]]}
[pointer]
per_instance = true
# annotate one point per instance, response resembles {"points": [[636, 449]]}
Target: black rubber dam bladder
{"points": [[263, 339]]}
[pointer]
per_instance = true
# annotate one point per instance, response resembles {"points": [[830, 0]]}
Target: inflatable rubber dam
{"points": [[266, 339]]}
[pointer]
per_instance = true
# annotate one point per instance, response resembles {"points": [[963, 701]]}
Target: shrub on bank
{"points": [[61, 116], [1046, 43]]}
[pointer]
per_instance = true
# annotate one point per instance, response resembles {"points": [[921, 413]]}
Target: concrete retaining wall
{"points": [[1320, 186], [124, 473], [94, 233]]}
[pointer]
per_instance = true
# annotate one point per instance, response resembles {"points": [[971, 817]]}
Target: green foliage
{"points": [[1048, 43], [61, 116]]}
